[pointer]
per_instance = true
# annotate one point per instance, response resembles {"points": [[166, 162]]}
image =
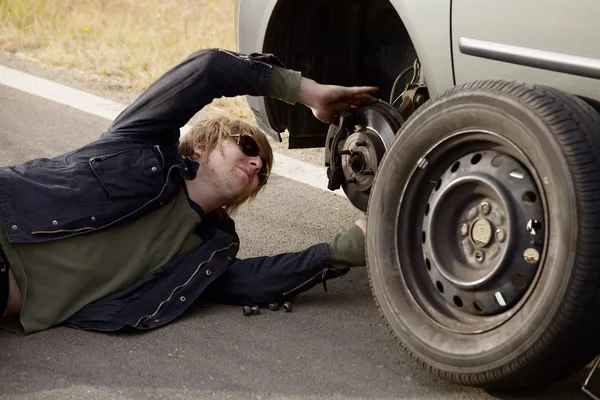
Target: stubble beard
{"points": [[226, 182]]}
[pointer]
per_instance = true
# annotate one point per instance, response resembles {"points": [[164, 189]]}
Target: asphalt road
{"points": [[333, 345]]}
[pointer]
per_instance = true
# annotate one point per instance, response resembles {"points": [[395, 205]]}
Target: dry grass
{"points": [[129, 42]]}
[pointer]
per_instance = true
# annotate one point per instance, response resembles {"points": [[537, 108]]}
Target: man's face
{"points": [[232, 174]]}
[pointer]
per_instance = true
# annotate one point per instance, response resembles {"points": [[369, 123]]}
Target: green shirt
{"points": [[58, 278], [285, 84]]}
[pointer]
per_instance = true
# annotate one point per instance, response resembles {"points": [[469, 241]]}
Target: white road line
{"points": [[285, 166]]}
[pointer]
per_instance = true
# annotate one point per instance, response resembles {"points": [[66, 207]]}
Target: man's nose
{"points": [[256, 163]]}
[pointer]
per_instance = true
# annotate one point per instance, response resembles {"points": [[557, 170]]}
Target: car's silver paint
{"points": [[558, 27], [549, 60]]}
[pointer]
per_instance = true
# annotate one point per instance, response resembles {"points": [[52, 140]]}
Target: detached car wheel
{"points": [[483, 238]]}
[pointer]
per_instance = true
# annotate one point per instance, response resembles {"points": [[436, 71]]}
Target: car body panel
{"points": [[561, 29]]}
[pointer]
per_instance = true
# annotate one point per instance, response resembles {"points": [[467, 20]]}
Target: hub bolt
{"points": [[367, 172], [361, 142], [464, 229], [485, 207], [350, 180], [345, 152], [500, 235]]}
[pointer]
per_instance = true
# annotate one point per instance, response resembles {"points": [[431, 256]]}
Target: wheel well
{"points": [[595, 104], [342, 42]]}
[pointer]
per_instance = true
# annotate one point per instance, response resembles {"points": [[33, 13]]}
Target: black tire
{"points": [[550, 331]]}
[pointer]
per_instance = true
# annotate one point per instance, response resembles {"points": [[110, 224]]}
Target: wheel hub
{"points": [[355, 145], [360, 158], [482, 233]]}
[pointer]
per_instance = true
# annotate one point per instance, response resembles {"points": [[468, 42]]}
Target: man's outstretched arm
{"points": [[171, 101], [263, 280]]}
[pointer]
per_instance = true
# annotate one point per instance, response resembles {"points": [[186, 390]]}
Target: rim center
{"points": [[481, 232]]}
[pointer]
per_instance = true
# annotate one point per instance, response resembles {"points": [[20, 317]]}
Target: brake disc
{"points": [[355, 145]]}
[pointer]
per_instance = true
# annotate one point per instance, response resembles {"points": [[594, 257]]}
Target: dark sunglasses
{"points": [[249, 147]]}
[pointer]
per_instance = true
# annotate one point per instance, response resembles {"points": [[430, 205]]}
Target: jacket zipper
{"points": [[245, 59], [147, 317], [162, 157], [88, 228], [306, 282]]}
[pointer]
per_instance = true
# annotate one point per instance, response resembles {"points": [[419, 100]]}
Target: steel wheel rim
{"points": [[420, 261]]}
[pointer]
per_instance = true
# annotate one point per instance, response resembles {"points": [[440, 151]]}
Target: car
{"points": [[478, 166]]}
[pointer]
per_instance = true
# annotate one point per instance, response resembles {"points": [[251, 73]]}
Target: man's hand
{"points": [[326, 100]]}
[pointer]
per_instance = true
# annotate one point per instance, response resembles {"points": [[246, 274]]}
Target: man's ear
{"points": [[199, 149]]}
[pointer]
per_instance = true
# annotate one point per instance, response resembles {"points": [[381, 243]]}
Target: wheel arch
{"points": [[434, 52], [280, 31]]}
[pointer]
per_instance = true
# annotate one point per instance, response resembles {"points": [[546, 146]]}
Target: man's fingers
{"points": [[364, 98], [361, 94], [364, 89]]}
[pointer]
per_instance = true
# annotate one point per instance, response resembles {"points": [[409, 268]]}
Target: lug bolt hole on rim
{"points": [[534, 226], [498, 161], [478, 305], [500, 299], [517, 174], [476, 158], [440, 287], [519, 281], [458, 301], [428, 264], [455, 167], [529, 197]]}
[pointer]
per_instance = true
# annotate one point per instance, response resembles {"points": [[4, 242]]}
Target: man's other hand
{"points": [[326, 100]]}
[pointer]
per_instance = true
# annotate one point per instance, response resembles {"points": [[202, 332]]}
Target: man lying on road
{"points": [[130, 230]]}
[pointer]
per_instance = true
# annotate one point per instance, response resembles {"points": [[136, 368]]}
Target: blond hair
{"points": [[213, 132]]}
